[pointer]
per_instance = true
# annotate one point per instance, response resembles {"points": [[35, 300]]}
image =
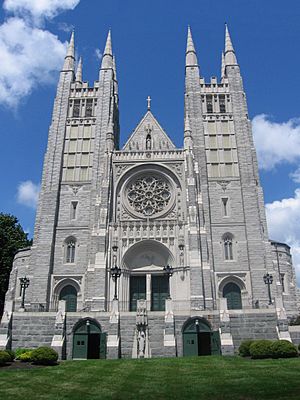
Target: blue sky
{"points": [[149, 40]]}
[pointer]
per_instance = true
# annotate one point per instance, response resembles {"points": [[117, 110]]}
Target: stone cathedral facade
{"points": [[185, 228]]}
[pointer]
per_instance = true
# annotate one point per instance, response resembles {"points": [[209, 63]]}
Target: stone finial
{"points": [[230, 57], [69, 63], [191, 57], [79, 71], [107, 59]]}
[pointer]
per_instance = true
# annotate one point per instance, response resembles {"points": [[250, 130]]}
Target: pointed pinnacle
{"points": [[191, 57], [79, 71], [107, 59], [70, 56], [230, 58]]}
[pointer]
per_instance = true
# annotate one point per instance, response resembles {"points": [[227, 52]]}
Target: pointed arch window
{"points": [[228, 246], [70, 250]]}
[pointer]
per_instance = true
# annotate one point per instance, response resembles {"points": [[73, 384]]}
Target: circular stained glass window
{"points": [[149, 195]]}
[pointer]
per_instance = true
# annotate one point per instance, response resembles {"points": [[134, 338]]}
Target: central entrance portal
{"points": [[199, 340], [159, 289]]}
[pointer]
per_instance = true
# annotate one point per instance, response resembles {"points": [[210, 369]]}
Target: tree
{"points": [[12, 238]]}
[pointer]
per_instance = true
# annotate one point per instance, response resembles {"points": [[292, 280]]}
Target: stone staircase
{"points": [[127, 331]]}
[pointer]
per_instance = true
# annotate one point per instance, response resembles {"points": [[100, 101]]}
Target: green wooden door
{"points": [[80, 345], [159, 292], [69, 294], [215, 343], [232, 293], [190, 344], [137, 290]]}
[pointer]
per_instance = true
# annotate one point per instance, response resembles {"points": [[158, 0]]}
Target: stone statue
{"points": [[141, 344]]}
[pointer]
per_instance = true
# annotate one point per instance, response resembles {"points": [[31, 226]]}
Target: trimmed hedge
{"points": [[283, 349], [44, 356], [244, 349], [261, 349], [4, 357]]}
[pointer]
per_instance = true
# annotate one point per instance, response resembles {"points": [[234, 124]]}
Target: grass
{"points": [[217, 378]]}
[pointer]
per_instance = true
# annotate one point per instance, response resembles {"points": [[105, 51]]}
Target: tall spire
{"points": [[69, 63], [191, 57], [79, 71], [230, 58], [116, 86], [107, 59]]}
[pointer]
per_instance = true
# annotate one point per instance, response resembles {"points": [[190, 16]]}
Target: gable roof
{"points": [[148, 135]]}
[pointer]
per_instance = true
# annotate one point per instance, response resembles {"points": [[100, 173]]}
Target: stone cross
{"points": [[149, 102]]}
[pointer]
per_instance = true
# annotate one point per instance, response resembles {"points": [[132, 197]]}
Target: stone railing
{"points": [[148, 155]]}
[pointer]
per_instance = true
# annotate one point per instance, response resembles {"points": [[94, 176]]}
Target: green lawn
{"points": [[182, 378]]}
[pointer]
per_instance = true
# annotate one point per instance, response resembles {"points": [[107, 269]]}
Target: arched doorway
{"points": [[199, 339], [69, 294], [88, 341], [232, 293], [143, 265]]}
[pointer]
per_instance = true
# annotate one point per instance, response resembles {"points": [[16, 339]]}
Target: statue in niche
{"points": [[148, 142]]}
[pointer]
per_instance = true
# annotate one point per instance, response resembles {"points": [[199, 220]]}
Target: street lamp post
{"points": [[24, 283], [115, 271], [168, 270], [268, 279]]}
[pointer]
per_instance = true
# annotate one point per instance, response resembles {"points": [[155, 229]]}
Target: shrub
{"points": [[283, 349], [11, 354], [299, 346], [20, 351], [4, 357], [44, 356], [261, 349], [244, 349], [26, 357]]}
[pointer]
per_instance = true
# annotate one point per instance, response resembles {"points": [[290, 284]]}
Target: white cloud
{"points": [[276, 143], [26, 60], [28, 193], [98, 54], [29, 55], [295, 176], [39, 9], [284, 225]]}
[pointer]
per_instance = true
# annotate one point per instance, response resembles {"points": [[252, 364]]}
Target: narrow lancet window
{"points": [[70, 252], [228, 244]]}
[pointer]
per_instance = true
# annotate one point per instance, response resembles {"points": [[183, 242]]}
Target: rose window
{"points": [[149, 195]]}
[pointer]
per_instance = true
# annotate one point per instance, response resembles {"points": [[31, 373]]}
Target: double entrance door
{"points": [[199, 340], [157, 291], [89, 342]]}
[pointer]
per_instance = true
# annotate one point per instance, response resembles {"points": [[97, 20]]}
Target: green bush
{"points": [[26, 357], [4, 357], [261, 349], [244, 349], [20, 351], [11, 354], [44, 356], [283, 349]]}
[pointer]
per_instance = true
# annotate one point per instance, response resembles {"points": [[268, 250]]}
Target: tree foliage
{"points": [[12, 238]]}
